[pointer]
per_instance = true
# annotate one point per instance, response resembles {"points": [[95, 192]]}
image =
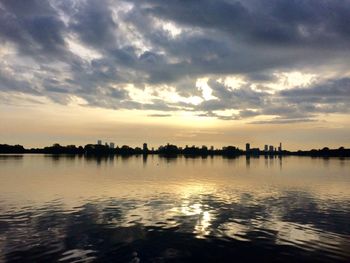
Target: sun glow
{"points": [[207, 92], [288, 80]]}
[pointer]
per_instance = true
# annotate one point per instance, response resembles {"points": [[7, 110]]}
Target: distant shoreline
{"points": [[167, 150]]}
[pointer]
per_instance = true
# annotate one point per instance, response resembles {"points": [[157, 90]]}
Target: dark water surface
{"points": [[78, 209]]}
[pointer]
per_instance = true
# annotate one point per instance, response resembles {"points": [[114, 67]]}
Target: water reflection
{"points": [[100, 229], [183, 210]]}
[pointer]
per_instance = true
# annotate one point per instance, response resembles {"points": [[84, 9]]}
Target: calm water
{"points": [[76, 209]]}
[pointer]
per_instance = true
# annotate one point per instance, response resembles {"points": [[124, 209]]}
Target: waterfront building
{"points": [[280, 147], [266, 148], [144, 147]]}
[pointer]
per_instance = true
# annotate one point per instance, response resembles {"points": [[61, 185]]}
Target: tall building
{"points": [[145, 147], [247, 147], [111, 145], [266, 148], [271, 148], [280, 147], [99, 142]]}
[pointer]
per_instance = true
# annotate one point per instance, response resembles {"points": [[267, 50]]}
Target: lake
{"points": [[157, 209]]}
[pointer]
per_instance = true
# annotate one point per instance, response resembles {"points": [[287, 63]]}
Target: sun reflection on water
{"points": [[123, 205]]}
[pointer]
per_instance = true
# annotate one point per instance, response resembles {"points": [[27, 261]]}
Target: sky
{"points": [[185, 72]]}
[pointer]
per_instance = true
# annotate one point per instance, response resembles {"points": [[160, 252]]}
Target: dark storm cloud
{"points": [[253, 38]]}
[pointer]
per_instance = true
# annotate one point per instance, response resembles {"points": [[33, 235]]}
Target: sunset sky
{"points": [[208, 72]]}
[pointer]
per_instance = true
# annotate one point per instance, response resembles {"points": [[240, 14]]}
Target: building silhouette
{"points": [[100, 149], [144, 147], [280, 147]]}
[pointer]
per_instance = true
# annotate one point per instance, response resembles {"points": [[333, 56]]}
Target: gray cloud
{"points": [[270, 22], [332, 91], [332, 96], [35, 28], [283, 121], [292, 105], [159, 115], [216, 38], [94, 24]]}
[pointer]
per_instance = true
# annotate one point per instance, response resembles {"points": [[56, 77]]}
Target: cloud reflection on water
{"points": [[227, 212]]}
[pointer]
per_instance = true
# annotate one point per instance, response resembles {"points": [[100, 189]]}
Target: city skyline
{"points": [[170, 150], [111, 148], [137, 142]]}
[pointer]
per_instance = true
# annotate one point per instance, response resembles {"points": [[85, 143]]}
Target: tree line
{"points": [[169, 149]]}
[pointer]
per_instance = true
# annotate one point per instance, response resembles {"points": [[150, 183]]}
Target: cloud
{"points": [[331, 96], [35, 28], [94, 24], [152, 44], [282, 121], [331, 91], [159, 115], [268, 22]]}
